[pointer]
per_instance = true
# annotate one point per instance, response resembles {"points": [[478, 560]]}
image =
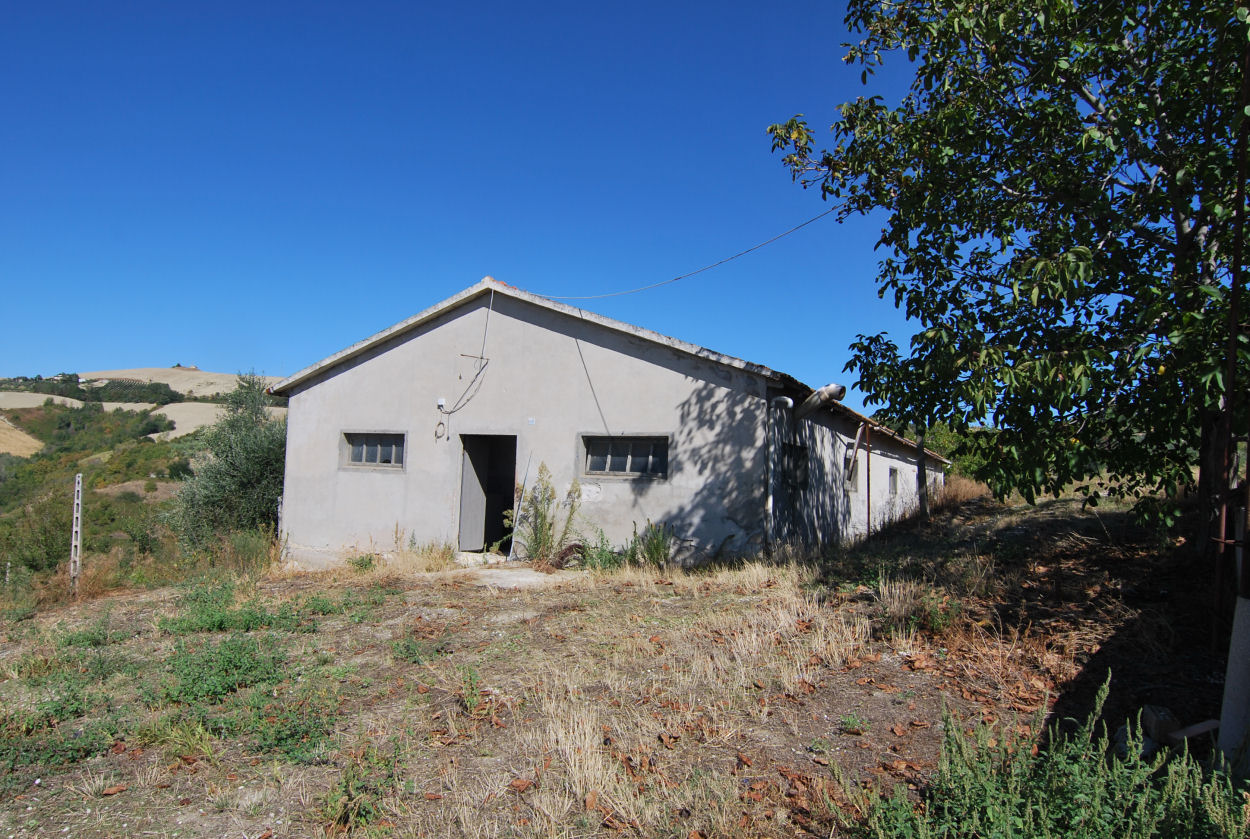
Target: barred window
{"points": [[375, 449], [627, 456]]}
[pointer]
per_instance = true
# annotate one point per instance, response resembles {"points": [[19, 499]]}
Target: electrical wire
{"points": [[475, 384], [797, 227]]}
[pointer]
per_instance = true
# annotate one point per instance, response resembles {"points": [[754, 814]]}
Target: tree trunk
{"points": [[1214, 481], [1212, 484], [922, 475]]}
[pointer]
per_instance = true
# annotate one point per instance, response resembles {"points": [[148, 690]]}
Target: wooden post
{"points": [[75, 538]]}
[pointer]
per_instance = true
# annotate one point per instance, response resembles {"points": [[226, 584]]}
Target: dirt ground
{"points": [[734, 702]]}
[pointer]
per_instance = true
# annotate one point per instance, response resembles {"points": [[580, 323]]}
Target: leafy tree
{"points": [[240, 482], [1060, 191]]}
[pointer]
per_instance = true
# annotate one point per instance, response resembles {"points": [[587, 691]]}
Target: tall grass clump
{"points": [[652, 547], [238, 485], [994, 785], [540, 530]]}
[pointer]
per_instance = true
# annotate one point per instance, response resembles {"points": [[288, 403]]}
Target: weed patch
{"points": [[357, 799], [210, 608], [997, 785], [296, 727], [209, 672]]}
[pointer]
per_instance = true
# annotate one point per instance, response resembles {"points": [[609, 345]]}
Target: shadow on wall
{"points": [[719, 460], [714, 496], [810, 495]]}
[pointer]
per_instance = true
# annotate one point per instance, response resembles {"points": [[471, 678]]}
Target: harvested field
{"points": [[15, 441], [187, 380], [189, 417]]}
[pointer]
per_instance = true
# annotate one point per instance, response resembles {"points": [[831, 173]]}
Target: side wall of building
{"points": [[816, 501], [504, 368]]}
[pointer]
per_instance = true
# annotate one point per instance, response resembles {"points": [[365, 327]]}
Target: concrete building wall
{"points": [[819, 505], [546, 379]]}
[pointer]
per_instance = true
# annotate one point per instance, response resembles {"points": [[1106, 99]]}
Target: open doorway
{"points": [[487, 488]]}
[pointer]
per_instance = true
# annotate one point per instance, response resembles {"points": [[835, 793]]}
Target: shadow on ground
{"points": [[1093, 588]]}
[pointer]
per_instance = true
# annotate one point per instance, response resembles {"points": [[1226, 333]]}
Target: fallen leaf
{"points": [[432, 796], [743, 760], [899, 730], [820, 760], [592, 800], [422, 689], [113, 790], [920, 723], [521, 784]]}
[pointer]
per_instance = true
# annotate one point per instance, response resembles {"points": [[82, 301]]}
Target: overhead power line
{"points": [[692, 273]]}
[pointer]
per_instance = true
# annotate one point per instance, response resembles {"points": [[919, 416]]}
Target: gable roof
{"points": [[489, 285]]}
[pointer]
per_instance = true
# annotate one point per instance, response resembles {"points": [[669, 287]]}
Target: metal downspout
{"points": [[868, 473]]}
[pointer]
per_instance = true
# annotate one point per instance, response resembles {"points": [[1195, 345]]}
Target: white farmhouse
{"points": [[425, 430]]}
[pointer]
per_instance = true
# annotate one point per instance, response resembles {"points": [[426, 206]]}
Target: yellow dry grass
{"points": [[17, 442]]}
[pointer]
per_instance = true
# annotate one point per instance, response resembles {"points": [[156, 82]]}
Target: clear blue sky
{"points": [[259, 185]]}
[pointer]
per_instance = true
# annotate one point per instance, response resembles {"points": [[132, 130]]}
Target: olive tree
{"points": [[239, 482]]}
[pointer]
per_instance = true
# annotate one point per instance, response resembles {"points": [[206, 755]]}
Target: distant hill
{"points": [[190, 381], [186, 381]]}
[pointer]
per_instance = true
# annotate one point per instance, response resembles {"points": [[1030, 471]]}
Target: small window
{"points": [[637, 456], [375, 449], [893, 481], [795, 465]]}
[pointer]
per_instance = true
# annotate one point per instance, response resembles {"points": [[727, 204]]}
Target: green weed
{"points": [[296, 727], [209, 608], [96, 634], [994, 785], [600, 555], [852, 724], [209, 672], [357, 799], [364, 562], [652, 548], [417, 650]]}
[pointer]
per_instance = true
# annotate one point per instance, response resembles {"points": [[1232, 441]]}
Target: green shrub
{"points": [[994, 786], [207, 673], [38, 536], [238, 485]]}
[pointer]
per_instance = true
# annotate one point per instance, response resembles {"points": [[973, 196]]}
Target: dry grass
{"points": [[958, 490], [637, 702]]}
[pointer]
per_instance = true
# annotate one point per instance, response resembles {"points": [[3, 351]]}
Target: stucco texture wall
{"points": [[507, 367]]}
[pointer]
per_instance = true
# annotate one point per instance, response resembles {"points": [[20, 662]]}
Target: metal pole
{"points": [[75, 538], [868, 470]]}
